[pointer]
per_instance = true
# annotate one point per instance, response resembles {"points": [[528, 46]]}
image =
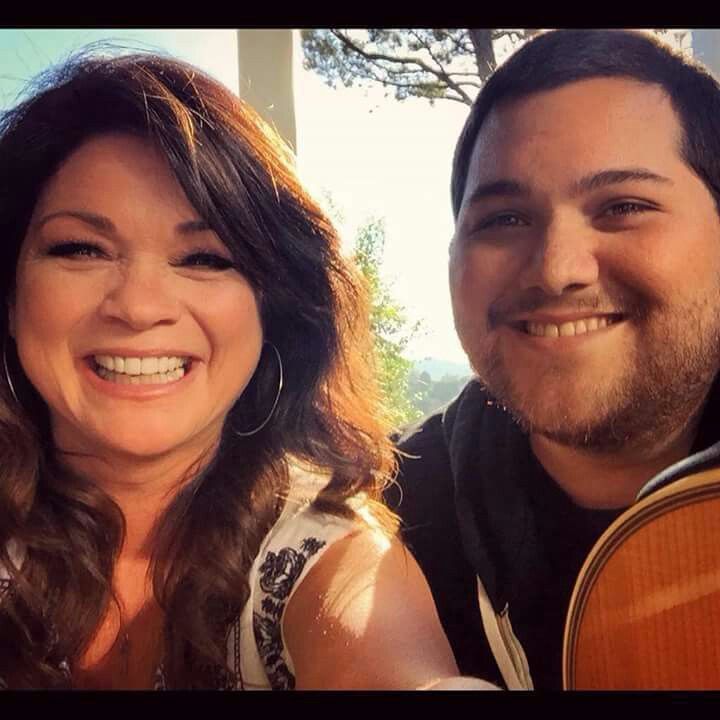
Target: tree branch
{"points": [[426, 46], [419, 86], [483, 51], [373, 57]]}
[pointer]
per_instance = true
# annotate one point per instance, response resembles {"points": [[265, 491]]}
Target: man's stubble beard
{"points": [[661, 384]]}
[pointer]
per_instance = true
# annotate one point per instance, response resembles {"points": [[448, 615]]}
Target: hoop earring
{"points": [[275, 402], [7, 373]]}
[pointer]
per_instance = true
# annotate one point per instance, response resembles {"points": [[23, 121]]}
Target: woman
{"points": [[190, 455]]}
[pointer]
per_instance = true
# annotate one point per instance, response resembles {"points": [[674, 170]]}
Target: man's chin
{"points": [[574, 418], [558, 428], [595, 437]]}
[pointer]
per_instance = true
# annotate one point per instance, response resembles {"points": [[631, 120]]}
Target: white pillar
{"points": [[265, 62], [706, 48]]}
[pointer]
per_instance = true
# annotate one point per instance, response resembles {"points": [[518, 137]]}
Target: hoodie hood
{"points": [[488, 454]]}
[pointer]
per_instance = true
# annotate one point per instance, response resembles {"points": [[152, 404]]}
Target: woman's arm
{"points": [[364, 618]]}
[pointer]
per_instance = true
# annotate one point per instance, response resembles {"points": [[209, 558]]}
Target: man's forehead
{"points": [[596, 123]]}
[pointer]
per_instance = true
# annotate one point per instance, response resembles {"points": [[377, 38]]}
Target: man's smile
{"points": [[567, 327]]}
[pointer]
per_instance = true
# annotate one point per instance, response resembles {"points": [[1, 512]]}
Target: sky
{"points": [[380, 158], [375, 156]]}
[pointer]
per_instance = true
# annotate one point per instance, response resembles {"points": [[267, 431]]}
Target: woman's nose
{"points": [[141, 296]]}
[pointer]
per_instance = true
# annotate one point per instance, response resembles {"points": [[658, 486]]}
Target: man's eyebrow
{"points": [[498, 188], [594, 181], [604, 178], [106, 226]]}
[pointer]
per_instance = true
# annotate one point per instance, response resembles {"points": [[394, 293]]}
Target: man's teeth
{"points": [[140, 371], [567, 329]]}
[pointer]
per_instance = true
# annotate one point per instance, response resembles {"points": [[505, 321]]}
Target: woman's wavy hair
{"points": [[555, 58], [239, 176]]}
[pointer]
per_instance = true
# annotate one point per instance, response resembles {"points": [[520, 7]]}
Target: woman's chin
{"points": [[133, 437], [144, 446], [140, 442]]}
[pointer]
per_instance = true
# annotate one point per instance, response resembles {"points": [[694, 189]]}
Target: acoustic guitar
{"points": [[645, 611]]}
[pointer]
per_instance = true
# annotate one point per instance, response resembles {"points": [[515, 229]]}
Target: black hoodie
{"points": [[476, 503]]}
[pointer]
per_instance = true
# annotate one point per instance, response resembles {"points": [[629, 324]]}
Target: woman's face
{"points": [[129, 319]]}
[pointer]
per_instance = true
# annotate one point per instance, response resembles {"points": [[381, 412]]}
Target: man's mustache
{"points": [[507, 309]]}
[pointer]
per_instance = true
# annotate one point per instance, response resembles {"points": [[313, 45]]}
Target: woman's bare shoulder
{"points": [[364, 617]]}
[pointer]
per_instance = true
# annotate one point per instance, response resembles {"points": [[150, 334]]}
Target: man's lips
{"points": [[569, 325]]}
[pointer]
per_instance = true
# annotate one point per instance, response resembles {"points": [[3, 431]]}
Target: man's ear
{"points": [[451, 244]]}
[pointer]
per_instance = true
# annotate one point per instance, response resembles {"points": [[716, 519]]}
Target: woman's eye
{"points": [[206, 260], [76, 249]]}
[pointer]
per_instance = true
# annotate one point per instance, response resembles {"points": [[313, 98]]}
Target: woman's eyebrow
{"points": [[192, 226], [99, 222], [105, 225]]}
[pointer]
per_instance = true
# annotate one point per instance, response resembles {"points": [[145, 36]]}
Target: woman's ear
{"points": [[11, 319]]}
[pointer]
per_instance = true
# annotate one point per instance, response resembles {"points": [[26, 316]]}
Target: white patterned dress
{"points": [[257, 656]]}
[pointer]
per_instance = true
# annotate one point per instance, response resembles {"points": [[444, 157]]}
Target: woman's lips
{"points": [[148, 384]]}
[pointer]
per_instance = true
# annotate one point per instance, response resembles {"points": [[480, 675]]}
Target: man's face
{"points": [[585, 269]]}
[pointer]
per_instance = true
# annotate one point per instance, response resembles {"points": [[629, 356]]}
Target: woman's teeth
{"points": [[140, 371], [579, 327]]}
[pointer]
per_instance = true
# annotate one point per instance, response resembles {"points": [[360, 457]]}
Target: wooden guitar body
{"points": [[645, 611]]}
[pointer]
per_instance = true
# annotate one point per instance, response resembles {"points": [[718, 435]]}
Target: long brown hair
{"points": [[239, 176]]}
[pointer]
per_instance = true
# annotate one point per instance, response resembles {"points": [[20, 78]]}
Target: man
{"points": [[585, 282]]}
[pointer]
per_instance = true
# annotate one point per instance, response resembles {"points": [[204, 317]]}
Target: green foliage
{"points": [[391, 329], [407, 393], [429, 395]]}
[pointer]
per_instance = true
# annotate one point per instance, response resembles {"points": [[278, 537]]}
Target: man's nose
{"points": [[141, 295], [563, 258]]}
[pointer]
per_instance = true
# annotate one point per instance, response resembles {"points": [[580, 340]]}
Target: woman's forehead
{"points": [[116, 174]]}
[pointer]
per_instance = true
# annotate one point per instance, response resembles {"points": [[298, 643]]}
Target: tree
{"points": [[391, 329], [450, 64]]}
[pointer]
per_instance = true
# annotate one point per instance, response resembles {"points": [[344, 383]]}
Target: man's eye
{"points": [[74, 248], [502, 220], [206, 260], [626, 208]]}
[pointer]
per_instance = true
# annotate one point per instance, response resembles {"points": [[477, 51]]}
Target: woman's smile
{"points": [[137, 377]]}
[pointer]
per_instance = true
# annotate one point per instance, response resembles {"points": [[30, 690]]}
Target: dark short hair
{"points": [[559, 57]]}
